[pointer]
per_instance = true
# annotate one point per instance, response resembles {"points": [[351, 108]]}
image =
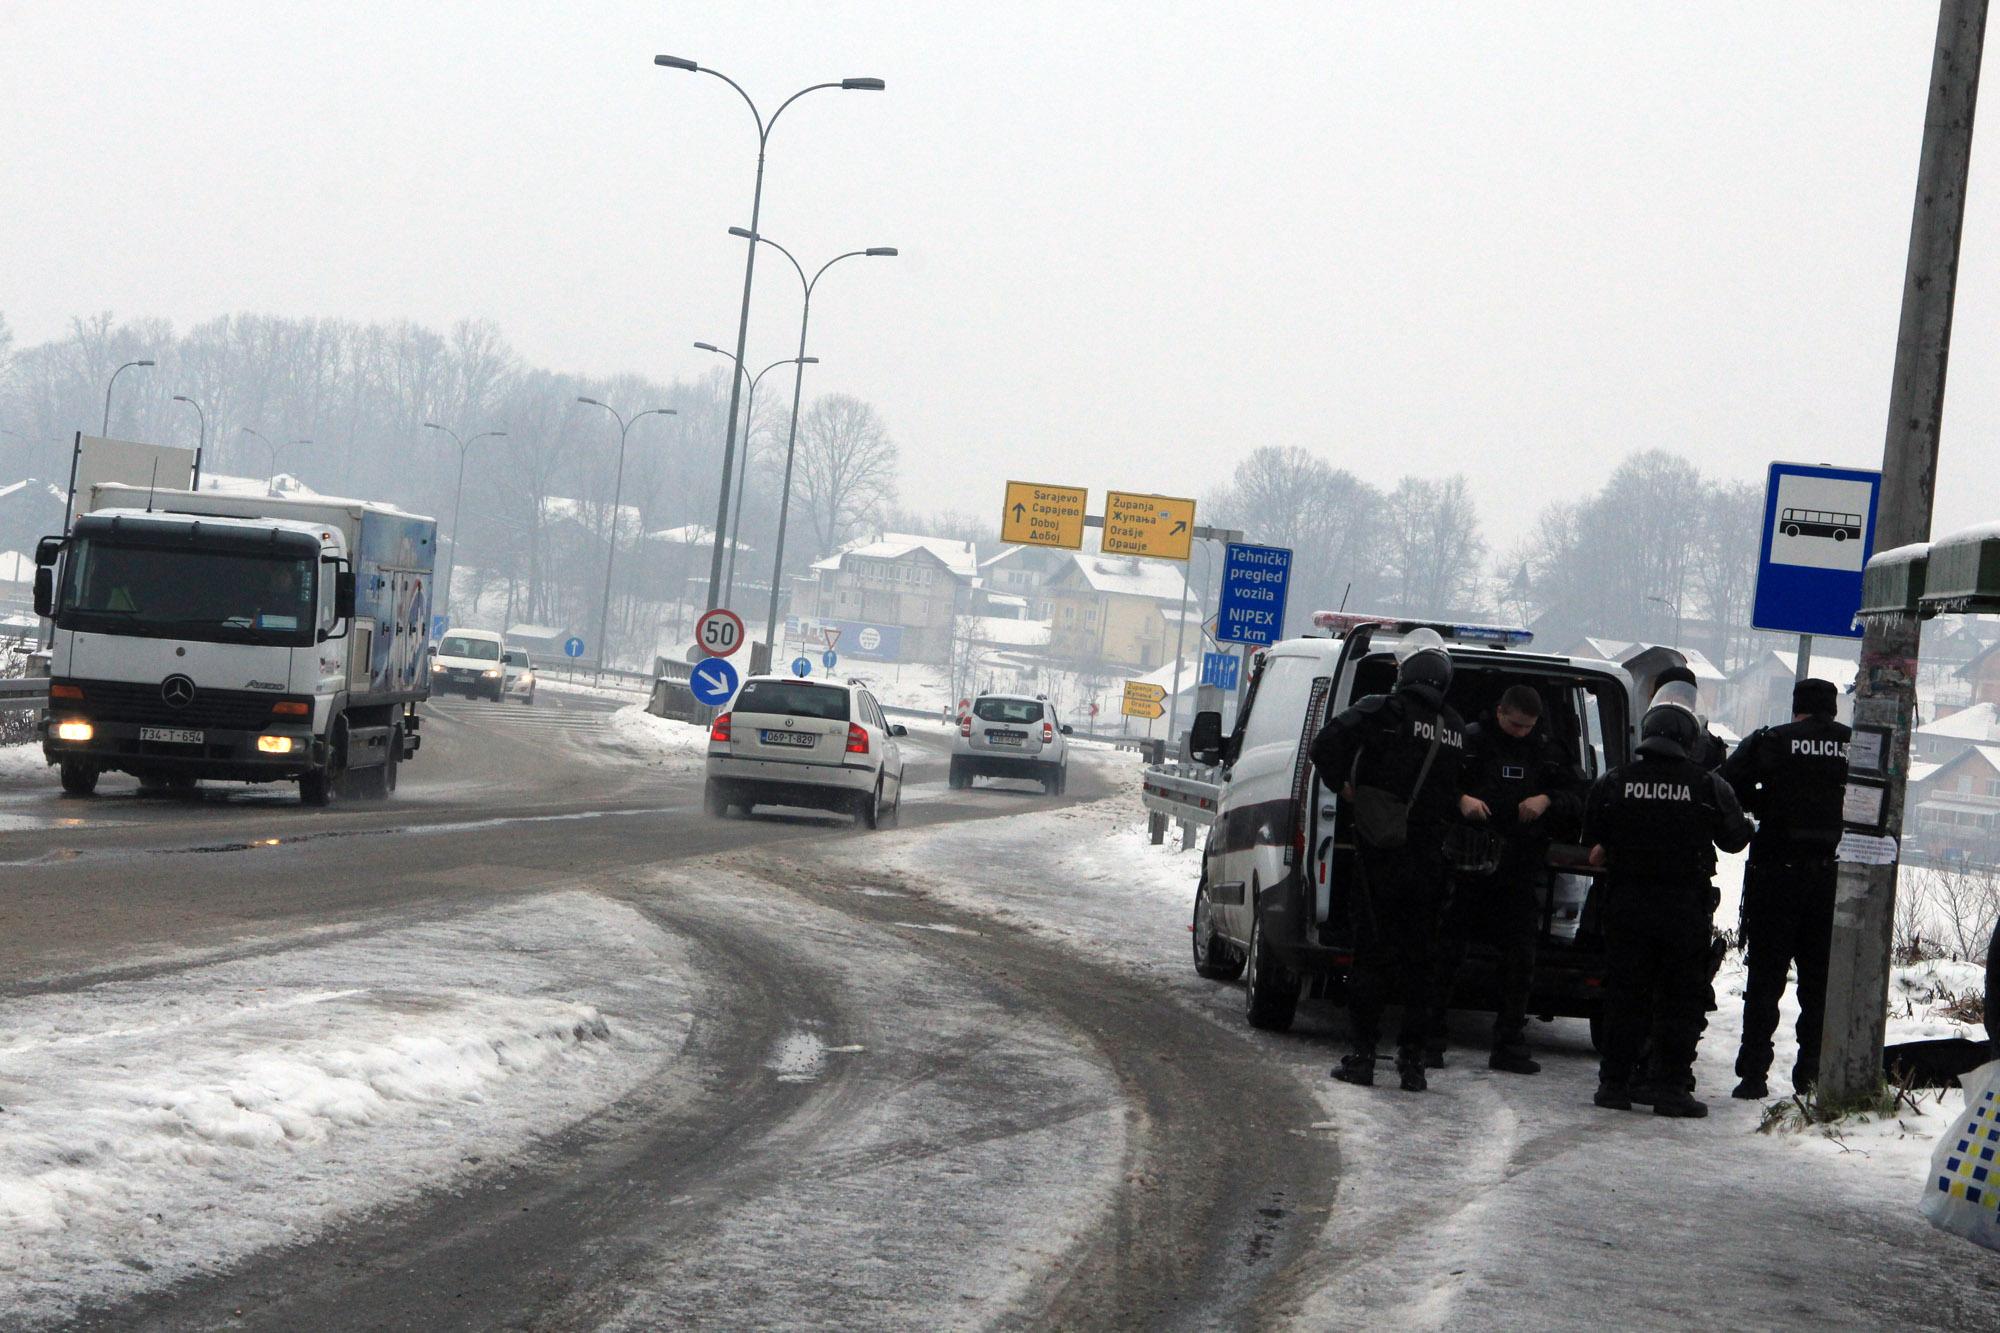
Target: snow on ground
{"points": [[23, 762], [163, 1127], [658, 742], [1496, 1201], [623, 691]]}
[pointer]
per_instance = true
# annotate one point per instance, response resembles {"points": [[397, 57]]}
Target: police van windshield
{"points": [[1007, 710], [218, 596], [793, 698]]}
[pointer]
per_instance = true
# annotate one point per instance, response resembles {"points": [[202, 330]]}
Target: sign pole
{"points": [[1805, 658], [1885, 690]]}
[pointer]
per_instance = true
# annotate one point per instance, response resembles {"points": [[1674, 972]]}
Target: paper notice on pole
{"points": [[1862, 805], [1865, 849], [1865, 749]]}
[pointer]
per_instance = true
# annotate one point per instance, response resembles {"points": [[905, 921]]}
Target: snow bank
{"points": [[23, 762], [657, 741], [162, 1128]]}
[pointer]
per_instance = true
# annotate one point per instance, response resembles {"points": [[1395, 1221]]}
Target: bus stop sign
{"points": [[1819, 530]]}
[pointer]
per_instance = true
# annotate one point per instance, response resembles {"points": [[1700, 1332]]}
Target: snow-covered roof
{"points": [[1006, 599], [693, 534], [1920, 770], [960, 557], [1003, 632], [1981, 722], [16, 568], [1836, 669], [223, 483], [1131, 577], [557, 507], [533, 632]]}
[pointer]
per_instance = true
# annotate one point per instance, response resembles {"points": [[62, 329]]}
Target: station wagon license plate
{"points": [[798, 739], [171, 735], [1009, 738]]}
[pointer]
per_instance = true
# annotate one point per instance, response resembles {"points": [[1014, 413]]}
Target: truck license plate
{"points": [[800, 739], [171, 735]]}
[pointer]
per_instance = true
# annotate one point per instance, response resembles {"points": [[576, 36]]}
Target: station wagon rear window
{"points": [[1007, 710], [793, 698]]}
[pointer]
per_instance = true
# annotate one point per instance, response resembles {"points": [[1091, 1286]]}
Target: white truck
{"points": [[244, 638]]}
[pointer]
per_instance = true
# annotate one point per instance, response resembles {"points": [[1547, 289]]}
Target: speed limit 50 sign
{"points": [[719, 633]]}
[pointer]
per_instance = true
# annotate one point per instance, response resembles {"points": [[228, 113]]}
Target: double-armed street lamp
{"points": [[275, 449], [108, 386], [457, 495], [76, 449], [764, 128], [798, 384], [617, 494], [742, 483], [201, 440]]}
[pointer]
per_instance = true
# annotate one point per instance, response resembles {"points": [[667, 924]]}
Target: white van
{"points": [[471, 662], [1272, 902]]}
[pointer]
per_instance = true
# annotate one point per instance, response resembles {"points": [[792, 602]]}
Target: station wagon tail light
{"points": [[964, 725], [65, 691], [718, 730], [857, 739], [1048, 733], [291, 708]]}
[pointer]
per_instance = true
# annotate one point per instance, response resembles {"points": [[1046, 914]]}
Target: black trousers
{"points": [[1503, 909], [1656, 937], [1787, 919], [1395, 940]]}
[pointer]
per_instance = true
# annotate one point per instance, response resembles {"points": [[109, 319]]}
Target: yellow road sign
{"points": [[1038, 515], [1143, 700], [1135, 708], [1159, 526]]}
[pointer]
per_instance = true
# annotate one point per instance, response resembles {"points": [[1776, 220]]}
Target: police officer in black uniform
{"points": [[1792, 778], [1520, 787], [1655, 824], [1407, 747], [1711, 750]]}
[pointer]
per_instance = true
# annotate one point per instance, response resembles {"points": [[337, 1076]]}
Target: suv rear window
{"points": [[1007, 710], [793, 698]]}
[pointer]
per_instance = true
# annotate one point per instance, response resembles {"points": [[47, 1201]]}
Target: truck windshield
{"points": [[189, 593]]}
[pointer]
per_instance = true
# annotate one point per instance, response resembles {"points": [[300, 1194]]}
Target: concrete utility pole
{"points": [[1886, 688]]}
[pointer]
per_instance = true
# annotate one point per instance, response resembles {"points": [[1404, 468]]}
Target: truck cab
{"points": [[1274, 901], [194, 642]]}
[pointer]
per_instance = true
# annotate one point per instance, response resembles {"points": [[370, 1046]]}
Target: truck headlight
{"points": [[274, 744], [74, 730]]}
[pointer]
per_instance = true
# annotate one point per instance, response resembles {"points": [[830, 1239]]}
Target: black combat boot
{"points": [[1410, 1064], [1613, 1096], [1753, 1088], [1434, 1055], [1358, 1069], [1512, 1058], [1678, 1102]]}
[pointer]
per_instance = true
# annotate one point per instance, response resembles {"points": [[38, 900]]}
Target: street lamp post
{"points": [[1675, 607], [271, 486], [617, 494], [798, 384], [743, 480], [764, 129], [76, 449], [201, 440], [109, 384], [457, 495]]}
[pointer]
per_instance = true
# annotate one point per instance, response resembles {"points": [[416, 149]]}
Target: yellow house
{"points": [[1118, 610]]}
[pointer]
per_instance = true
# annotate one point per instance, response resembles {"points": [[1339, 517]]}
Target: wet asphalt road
{"points": [[1000, 1079]]}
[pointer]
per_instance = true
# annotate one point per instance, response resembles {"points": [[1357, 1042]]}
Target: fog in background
{"points": [[1515, 242]]}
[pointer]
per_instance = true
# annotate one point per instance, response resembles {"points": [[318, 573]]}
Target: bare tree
{"points": [[846, 469], [1284, 496], [1432, 538]]}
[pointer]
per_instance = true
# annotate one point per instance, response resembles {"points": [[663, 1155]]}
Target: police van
{"points": [[1273, 902]]}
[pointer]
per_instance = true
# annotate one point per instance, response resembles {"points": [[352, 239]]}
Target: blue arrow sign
{"points": [[1254, 583], [572, 647], [713, 682], [1819, 530], [830, 658], [439, 624], [1219, 670], [802, 666]]}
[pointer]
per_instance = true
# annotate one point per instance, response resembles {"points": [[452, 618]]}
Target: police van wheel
{"points": [[1214, 957], [1270, 993]]}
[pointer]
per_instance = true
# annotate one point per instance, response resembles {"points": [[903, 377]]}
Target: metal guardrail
{"points": [[1179, 794], [23, 693]]}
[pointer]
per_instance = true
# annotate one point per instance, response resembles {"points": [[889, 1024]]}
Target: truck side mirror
{"points": [[45, 591], [46, 551], [1205, 738], [343, 594]]}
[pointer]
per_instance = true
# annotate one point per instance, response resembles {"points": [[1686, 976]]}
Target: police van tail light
{"points": [[965, 725], [857, 738], [1048, 733], [718, 730]]}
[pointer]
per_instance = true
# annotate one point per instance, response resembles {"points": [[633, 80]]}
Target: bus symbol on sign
{"points": [[1819, 523]]}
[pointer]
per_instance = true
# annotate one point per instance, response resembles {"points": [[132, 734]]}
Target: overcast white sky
{"points": [[1517, 240]]}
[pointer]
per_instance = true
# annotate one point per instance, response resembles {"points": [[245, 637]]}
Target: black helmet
{"points": [[1421, 659], [1669, 728]]}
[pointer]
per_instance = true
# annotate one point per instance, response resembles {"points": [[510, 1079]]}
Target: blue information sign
{"points": [[1819, 530], [829, 659], [713, 681], [572, 647], [802, 666], [1219, 670], [1252, 606], [439, 624]]}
